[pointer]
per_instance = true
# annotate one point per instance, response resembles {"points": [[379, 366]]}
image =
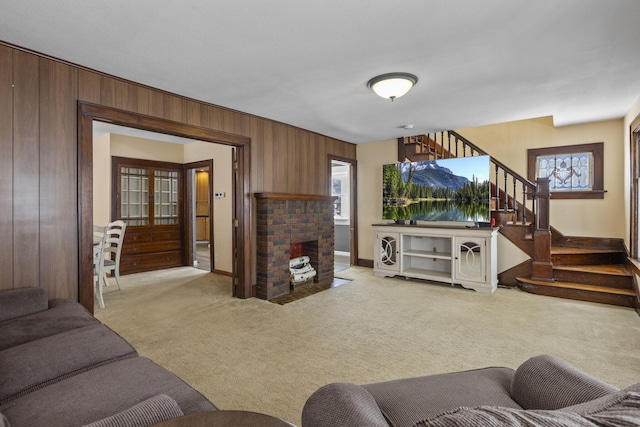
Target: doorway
{"points": [[200, 215], [241, 195], [343, 187]]}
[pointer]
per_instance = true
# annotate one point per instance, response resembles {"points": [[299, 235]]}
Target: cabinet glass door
{"points": [[388, 252], [471, 259]]}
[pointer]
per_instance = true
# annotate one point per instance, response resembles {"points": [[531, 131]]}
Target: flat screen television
{"points": [[455, 189]]}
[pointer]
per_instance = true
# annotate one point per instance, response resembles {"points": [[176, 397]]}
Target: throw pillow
{"points": [[623, 413]]}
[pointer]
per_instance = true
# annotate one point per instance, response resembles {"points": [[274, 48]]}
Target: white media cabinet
{"points": [[455, 255]]}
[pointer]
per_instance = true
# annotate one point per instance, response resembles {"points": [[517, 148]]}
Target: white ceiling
{"points": [[307, 63]]}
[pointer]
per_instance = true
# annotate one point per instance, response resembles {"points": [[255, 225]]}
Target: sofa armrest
{"points": [[548, 382], [342, 405], [22, 302]]}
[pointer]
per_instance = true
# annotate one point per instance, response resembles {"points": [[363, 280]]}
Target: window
{"points": [[574, 171]]}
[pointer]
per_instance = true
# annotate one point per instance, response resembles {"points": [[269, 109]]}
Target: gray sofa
{"points": [[59, 366], [543, 391]]}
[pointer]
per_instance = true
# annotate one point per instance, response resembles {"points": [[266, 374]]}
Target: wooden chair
{"points": [[99, 242], [115, 237]]}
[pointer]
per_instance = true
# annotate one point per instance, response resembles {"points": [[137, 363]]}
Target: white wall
{"points": [[370, 158], [102, 180]]}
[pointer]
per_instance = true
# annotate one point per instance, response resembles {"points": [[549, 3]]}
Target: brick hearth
{"points": [[285, 219]]}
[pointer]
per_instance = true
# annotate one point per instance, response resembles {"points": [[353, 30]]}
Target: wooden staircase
{"points": [[581, 268], [595, 271]]}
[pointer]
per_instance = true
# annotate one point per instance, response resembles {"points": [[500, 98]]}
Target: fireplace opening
{"points": [[304, 258]]}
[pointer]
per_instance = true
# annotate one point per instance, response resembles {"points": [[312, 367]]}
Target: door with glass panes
{"points": [[147, 195]]}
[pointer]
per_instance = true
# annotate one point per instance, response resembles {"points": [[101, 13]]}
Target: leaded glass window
{"points": [[567, 172], [574, 171]]}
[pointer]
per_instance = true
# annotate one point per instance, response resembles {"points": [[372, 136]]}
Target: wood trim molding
{"points": [[634, 174], [88, 112], [353, 179]]}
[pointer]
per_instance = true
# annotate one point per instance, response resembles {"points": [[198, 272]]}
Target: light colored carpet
{"points": [[259, 356]]}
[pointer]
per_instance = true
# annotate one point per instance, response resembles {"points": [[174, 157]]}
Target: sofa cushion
{"points": [[405, 402], [36, 364], [548, 382], [100, 393], [622, 411], [63, 315], [342, 404], [21, 302], [151, 411]]}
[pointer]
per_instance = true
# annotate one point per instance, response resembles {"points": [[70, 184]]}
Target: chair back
{"points": [[115, 236], [99, 242]]}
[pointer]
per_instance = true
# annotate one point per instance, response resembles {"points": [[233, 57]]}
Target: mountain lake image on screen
{"points": [[454, 189]]}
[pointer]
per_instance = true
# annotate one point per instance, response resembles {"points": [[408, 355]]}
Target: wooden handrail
{"points": [[497, 162]]}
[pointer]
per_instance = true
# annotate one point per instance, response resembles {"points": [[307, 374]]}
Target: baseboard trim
{"points": [[365, 263], [222, 273]]}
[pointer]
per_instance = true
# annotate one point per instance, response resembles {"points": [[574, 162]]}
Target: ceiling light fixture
{"points": [[392, 85]]}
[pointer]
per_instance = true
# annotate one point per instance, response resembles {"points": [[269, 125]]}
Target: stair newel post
{"points": [[449, 144], [542, 265]]}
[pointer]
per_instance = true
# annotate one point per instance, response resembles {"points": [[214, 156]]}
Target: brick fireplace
{"points": [[299, 221]]}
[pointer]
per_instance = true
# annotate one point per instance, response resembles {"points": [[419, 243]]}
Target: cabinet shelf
{"points": [[445, 276], [427, 254]]}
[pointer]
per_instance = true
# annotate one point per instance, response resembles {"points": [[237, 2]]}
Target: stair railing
{"points": [[507, 186]]}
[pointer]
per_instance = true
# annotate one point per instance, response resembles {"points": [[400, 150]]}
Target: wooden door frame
{"points": [[353, 201], [87, 113], [189, 213], [634, 174]]}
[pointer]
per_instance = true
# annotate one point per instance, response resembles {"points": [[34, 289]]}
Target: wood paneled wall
{"points": [[38, 159]]}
